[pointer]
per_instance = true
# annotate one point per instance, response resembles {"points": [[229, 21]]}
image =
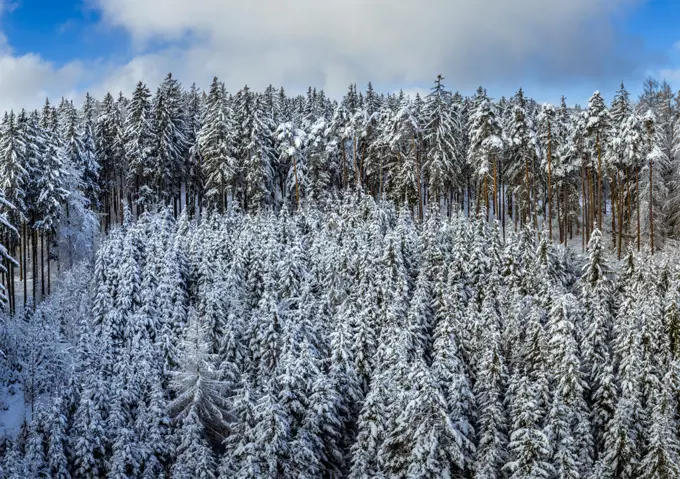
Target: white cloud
{"points": [[331, 43], [26, 80]]}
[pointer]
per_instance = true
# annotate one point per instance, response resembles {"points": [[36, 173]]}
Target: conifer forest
{"points": [[216, 285]]}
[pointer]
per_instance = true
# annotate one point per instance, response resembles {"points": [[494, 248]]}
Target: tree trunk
{"points": [[49, 276], [25, 262], [486, 196], [629, 198], [550, 234], [419, 179], [600, 192], [566, 216], [584, 206], [495, 187], [502, 200], [42, 266], [344, 166], [614, 192], [35, 267], [297, 189], [637, 194], [559, 215], [651, 206], [620, 211], [527, 199], [356, 165]]}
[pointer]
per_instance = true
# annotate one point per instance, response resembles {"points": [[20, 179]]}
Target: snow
{"points": [[12, 418]]}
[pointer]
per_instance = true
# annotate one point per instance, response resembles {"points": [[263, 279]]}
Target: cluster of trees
{"points": [[64, 170], [350, 341]]}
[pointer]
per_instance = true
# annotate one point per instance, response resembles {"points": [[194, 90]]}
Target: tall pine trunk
{"points": [[25, 261], [550, 233], [600, 192], [651, 205], [637, 205], [620, 211]]}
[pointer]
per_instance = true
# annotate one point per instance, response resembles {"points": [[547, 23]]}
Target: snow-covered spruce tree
{"points": [[662, 447], [200, 390], [194, 456], [291, 142], [13, 167], [8, 230], [58, 441], [520, 157], [138, 146], [598, 128], [568, 424], [90, 168], [268, 449], [491, 423], [622, 438], [529, 447], [484, 152], [425, 431], [169, 141], [596, 331], [441, 136], [88, 430], [259, 157], [216, 147]]}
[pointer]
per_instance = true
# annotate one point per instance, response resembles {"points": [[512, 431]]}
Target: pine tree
{"points": [[194, 457], [425, 431], [139, 148], [169, 140], [216, 144], [199, 387], [528, 444], [661, 451], [484, 150], [491, 419], [57, 443]]}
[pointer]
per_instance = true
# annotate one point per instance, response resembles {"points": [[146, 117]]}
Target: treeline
{"points": [[64, 169], [349, 342]]}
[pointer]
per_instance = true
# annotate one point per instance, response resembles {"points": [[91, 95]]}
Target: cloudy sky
{"points": [[549, 47]]}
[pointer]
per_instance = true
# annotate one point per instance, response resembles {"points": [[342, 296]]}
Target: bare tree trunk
{"points": [[584, 207], [651, 206], [600, 192], [549, 185], [637, 194], [629, 199], [591, 203], [502, 200], [534, 194], [620, 211], [42, 265], [49, 276], [381, 177], [419, 179], [35, 267], [356, 165], [486, 196], [25, 261], [527, 189], [566, 216], [559, 215], [495, 187], [344, 166], [614, 192], [297, 189]]}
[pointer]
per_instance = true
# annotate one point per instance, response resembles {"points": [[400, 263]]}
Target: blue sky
{"points": [[550, 48]]}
